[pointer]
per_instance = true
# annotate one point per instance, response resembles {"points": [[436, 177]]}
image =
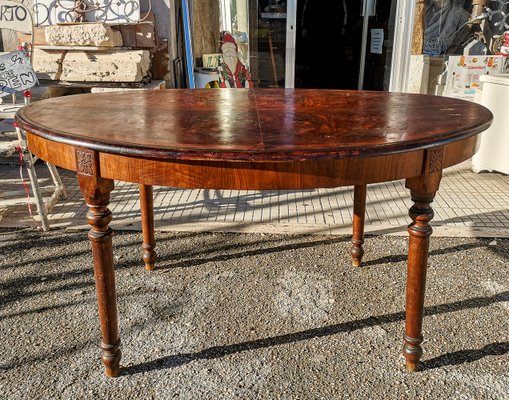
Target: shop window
{"points": [[234, 15], [458, 41]]}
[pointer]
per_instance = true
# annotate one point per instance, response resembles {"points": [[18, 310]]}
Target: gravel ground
{"points": [[231, 316]]}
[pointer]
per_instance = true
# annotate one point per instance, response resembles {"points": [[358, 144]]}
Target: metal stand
{"points": [[43, 209]]}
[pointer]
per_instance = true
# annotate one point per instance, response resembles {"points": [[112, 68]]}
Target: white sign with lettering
{"points": [[16, 73], [377, 41], [15, 16]]}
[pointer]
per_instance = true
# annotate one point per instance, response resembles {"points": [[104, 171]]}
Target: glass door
{"points": [[271, 30], [234, 19], [264, 31], [330, 44], [377, 46], [344, 44]]}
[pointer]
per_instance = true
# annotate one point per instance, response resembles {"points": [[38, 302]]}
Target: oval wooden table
{"points": [[253, 139]]}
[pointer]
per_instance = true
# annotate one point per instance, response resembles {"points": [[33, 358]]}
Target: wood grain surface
{"points": [[254, 125]]}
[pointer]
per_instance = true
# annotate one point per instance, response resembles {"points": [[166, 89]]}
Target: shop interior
{"points": [[328, 43], [346, 44]]}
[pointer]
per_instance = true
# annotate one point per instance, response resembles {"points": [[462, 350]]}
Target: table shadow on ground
{"points": [[455, 358]]}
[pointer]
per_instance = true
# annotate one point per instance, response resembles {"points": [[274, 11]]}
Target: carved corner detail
{"points": [[85, 162], [436, 157]]}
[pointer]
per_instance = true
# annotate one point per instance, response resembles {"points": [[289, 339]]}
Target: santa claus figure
{"points": [[232, 73]]}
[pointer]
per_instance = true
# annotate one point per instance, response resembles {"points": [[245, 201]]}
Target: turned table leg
{"points": [[100, 235], [420, 232], [359, 212], [147, 226], [96, 192], [423, 190]]}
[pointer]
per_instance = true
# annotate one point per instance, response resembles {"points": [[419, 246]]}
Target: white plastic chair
{"points": [[18, 17]]}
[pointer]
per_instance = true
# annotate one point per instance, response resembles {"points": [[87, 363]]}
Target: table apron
{"points": [[309, 174]]}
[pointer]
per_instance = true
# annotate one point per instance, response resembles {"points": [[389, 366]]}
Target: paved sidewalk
{"points": [[468, 205], [253, 317]]}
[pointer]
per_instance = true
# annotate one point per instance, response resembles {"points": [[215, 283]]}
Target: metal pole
{"points": [[364, 44], [186, 15]]}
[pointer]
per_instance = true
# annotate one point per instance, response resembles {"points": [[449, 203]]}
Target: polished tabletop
{"points": [[255, 124]]}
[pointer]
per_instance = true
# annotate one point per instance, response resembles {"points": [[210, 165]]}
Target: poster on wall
{"points": [[51, 12], [463, 74]]}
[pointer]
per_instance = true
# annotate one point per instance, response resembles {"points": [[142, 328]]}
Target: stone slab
{"points": [[114, 66], [138, 36], [88, 66], [48, 64], [90, 34]]}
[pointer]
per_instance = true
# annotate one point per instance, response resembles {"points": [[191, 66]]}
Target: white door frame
{"points": [[225, 15], [291, 37], [403, 31]]}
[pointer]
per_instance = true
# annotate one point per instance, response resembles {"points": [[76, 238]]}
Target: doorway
{"points": [[329, 43], [326, 44]]}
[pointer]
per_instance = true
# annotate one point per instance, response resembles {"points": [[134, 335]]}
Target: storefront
{"points": [[316, 44], [347, 44]]}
